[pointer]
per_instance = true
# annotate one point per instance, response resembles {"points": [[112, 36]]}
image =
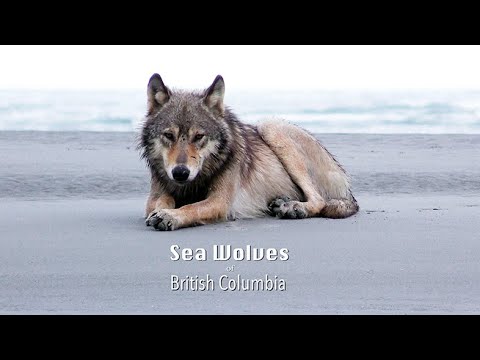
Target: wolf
{"points": [[207, 166]]}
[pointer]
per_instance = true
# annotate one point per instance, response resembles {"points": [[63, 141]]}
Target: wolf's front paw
{"points": [[162, 220], [285, 208]]}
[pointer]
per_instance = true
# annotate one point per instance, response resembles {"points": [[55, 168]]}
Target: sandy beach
{"points": [[73, 238]]}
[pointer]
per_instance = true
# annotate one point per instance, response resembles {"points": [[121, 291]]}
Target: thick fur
{"points": [[236, 170]]}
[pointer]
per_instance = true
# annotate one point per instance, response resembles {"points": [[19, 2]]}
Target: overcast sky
{"points": [[243, 67]]}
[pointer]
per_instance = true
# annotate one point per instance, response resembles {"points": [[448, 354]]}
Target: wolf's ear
{"points": [[158, 93], [214, 95]]}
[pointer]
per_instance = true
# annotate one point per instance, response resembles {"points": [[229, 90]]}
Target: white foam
{"points": [[433, 112]]}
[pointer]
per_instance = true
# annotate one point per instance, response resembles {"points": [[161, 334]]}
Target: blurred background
{"points": [[326, 89]]}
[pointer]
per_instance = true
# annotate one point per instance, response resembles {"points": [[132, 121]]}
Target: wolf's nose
{"points": [[180, 173]]}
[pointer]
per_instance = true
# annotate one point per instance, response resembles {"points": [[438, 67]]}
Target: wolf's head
{"points": [[185, 133]]}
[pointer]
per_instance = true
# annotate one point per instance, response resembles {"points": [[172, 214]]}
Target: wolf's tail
{"points": [[340, 208]]}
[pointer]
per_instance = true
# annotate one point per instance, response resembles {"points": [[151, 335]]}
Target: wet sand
{"points": [[73, 239]]}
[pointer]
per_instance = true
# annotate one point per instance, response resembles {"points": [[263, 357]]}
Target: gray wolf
{"points": [[207, 166]]}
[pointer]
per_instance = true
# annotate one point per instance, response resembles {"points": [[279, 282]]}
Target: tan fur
{"points": [[158, 199], [311, 167], [172, 155], [267, 182], [182, 153]]}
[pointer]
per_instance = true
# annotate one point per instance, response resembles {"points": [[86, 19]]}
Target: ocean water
{"points": [[382, 112]]}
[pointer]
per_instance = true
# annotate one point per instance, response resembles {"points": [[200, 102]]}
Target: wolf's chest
{"points": [[189, 198]]}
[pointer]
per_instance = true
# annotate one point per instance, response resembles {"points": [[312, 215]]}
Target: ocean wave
{"points": [[322, 111]]}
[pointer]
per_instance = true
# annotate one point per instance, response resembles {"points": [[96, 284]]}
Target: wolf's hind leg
{"points": [[313, 169], [290, 144], [340, 208]]}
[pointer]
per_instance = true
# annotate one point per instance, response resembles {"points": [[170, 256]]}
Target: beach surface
{"points": [[73, 238]]}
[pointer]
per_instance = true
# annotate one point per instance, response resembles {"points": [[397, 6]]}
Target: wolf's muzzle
{"points": [[180, 173]]}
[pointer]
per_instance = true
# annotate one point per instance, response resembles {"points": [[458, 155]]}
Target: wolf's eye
{"points": [[168, 135], [198, 137]]}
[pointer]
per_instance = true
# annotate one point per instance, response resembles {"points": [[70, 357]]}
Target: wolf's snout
{"points": [[180, 173]]}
